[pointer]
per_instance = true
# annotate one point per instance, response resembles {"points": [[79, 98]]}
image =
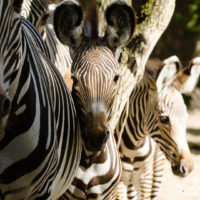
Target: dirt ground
{"points": [[188, 188]]}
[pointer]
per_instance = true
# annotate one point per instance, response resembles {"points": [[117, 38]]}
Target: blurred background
{"points": [[182, 36]]}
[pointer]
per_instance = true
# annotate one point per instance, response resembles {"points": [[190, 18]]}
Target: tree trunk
{"points": [[153, 17]]}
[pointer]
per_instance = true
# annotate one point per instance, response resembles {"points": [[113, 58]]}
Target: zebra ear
{"points": [[121, 22], [192, 73], [68, 18], [168, 73]]}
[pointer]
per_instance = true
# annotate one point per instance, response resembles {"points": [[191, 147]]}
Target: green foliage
{"points": [[144, 9], [194, 9], [179, 17], [191, 20]]}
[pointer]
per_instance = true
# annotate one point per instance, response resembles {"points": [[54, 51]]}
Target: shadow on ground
{"points": [[192, 131], [194, 143], [194, 147]]}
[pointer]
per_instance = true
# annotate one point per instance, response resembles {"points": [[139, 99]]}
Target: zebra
{"points": [[38, 13], [193, 72], [190, 93], [156, 113], [95, 74], [40, 140]]}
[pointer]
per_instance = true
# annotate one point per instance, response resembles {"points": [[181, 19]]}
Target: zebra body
{"points": [[156, 110], [41, 145], [141, 178], [95, 76]]}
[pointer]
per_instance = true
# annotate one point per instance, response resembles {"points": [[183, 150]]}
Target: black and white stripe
{"points": [[37, 12], [156, 110], [41, 146], [95, 75]]}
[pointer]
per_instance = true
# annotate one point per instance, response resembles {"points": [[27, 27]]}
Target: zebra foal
{"points": [[156, 113], [40, 141], [95, 76]]}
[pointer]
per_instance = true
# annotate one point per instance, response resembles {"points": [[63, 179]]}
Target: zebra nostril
{"points": [[180, 170], [107, 132], [104, 136], [183, 169]]}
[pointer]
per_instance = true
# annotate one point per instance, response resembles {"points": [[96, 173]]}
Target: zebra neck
{"points": [[89, 157]]}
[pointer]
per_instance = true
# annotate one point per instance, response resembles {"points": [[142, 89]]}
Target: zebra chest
{"points": [[133, 159], [96, 176]]}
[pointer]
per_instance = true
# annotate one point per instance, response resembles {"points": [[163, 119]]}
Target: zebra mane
{"points": [[91, 19]]}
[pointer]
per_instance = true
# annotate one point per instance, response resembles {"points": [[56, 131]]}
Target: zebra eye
{"points": [[164, 119], [116, 78], [75, 81]]}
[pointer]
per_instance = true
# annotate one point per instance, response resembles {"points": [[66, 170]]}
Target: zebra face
{"points": [[174, 112], [171, 115], [5, 103], [95, 67], [95, 77]]}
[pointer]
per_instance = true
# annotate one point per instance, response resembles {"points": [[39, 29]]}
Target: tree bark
{"points": [[153, 17]]}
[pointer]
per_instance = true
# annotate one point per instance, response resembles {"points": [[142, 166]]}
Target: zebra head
{"points": [[95, 67], [172, 116]]}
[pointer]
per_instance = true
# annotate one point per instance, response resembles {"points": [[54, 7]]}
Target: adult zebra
{"points": [[40, 141], [157, 110], [95, 75], [37, 12]]}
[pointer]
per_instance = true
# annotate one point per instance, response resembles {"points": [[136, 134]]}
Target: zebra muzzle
{"points": [[184, 166], [95, 142]]}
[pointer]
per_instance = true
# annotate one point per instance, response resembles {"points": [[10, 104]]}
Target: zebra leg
{"points": [[158, 171], [125, 189], [120, 192], [146, 183], [128, 185], [146, 177], [123, 192], [131, 192]]}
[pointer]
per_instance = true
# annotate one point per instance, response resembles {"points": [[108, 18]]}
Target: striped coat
{"points": [[40, 143], [95, 76], [156, 112]]}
